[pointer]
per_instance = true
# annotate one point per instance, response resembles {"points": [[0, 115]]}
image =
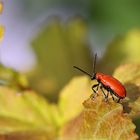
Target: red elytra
{"points": [[108, 82], [112, 83]]}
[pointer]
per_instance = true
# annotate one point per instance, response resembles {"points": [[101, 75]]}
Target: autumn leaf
{"points": [[100, 120], [28, 135]]}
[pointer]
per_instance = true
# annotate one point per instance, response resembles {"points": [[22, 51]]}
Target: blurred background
{"points": [[25, 19], [50, 36]]}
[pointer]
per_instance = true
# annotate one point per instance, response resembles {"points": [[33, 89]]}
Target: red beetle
{"points": [[111, 84]]}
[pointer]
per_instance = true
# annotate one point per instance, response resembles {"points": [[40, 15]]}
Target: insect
{"points": [[107, 82]]}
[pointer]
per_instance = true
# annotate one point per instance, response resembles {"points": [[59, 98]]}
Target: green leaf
{"points": [[13, 79], [26, 112], [100, 120], [58, 47]]}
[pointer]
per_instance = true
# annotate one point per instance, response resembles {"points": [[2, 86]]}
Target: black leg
{"points": [[114, 99], [106, 96], [118, 100], [93, 88], [112, 95], [92, 96]]}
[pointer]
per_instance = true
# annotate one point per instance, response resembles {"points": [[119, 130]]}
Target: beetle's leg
{"points": [[92, 96], [114, 99], [96, 85], [112, 95], [118, 100], [106, 96], [95, 91]]}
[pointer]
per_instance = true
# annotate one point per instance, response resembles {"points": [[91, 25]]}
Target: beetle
{"points": [[107, 82]]}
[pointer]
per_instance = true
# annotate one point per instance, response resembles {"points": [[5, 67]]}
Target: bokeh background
{"points": [[61, 29], [24, 19], [44, 39]]}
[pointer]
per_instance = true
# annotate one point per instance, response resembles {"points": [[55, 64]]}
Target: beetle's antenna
{"points": [[82, 71], [94, 65]]}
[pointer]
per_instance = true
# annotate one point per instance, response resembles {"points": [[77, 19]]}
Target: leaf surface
{"points": [[70, 104], [25, 112], [100, 120]]}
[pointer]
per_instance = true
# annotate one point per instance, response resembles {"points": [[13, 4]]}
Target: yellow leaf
{"points": [[72, 96], [122, 50], [135, 108], [1, 32], [100, 120], [129, 75], [1, 7], [24, 111]]}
